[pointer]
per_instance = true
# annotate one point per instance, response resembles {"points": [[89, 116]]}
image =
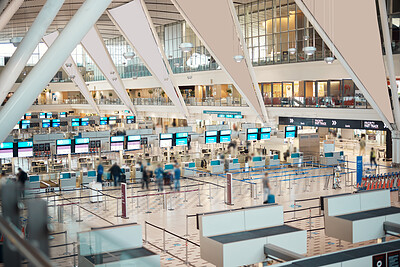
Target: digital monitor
{"points": [[28, 116], [211, 133], [290, 131], [238, 116], [265, 136], [130, 119], [103, 121], [112, 120], [42, 115], [63, 142], [181, 142], [252, 130], [49, 115], [6, 150], [224, 138], [117, 146], [229, 116], [79, 141], [25, 149], [211, 139], [134, 145], [215, 163], [290, 134], [45, 123], [134, 138], [116, 139], [63, 114], [63, 150], [82, 148], [55, 123], [266, 130], [221, 115], [84, 121], [25, 124], [252, 137], [181, 135], [166, 143], [75, 122], [166, 136], [225, 132]]}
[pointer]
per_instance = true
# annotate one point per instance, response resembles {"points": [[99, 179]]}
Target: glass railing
{"points": [[323, 102], [311, 102]]}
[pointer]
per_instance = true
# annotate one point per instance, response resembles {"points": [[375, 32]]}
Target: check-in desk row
{"points": [[296, 159], [332, 158]]}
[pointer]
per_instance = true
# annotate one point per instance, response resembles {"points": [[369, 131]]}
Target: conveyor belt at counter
{"points": [[117, 256], [347, 255], [253, 234], [369, 214]]}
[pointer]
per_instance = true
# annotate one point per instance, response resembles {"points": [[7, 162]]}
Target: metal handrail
{"points": [[33, 255]]}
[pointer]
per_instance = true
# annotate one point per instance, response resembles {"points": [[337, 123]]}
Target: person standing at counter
{"points": [[22, 177], [100, 171], [159, 173], [177, 177], [115, 171]]}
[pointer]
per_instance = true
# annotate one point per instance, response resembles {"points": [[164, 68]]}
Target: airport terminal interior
{"points": [[200, 133]]}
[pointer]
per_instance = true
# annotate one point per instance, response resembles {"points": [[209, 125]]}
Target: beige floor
{"points": [[305, 183]]}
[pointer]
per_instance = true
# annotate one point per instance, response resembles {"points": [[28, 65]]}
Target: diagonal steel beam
{"points": [[72, 70], [97, 50]]}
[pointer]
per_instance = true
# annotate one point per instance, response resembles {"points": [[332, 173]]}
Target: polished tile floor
{"points": [[174, 212]]}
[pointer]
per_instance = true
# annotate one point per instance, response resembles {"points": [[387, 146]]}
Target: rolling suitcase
{"points": [[271, 199]]}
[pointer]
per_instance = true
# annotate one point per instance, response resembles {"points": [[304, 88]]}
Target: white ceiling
{"points": [[161, 11]]}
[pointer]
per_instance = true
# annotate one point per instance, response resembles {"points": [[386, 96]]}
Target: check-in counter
{"points": [[216, 166], [127, 171], [257, 162], [296, 159], [188, 169], [138, 173], [272, 160], [32, 186], [232, 165], [332, 158], [67, 180], [89, 176]]}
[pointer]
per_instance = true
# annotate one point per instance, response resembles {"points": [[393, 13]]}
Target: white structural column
{"points": [[72, 70], [9, 12], [339, 26], [135, 24], [25, 49], [97, 50], [223, 38], [49, 64]]}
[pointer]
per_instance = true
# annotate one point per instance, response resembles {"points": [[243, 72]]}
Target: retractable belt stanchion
{"points": [[147, 204], [198, 194]]}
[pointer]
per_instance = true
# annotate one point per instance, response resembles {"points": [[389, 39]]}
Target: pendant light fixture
{"points": [[331, 58]]}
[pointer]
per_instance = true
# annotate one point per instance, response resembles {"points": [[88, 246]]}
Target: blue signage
{"points": [[359, 169], [222, 112]]}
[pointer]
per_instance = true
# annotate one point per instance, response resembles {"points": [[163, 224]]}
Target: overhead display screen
{"points": [[45, 123], [25, 124], [28, 116], [25, 149], [85, 122], [265, 136], [134, 138], [63, 114], [181, 135], [103, 121], [252, 137], [112, 120], [266, 130], [115, 139], [42, 115], [181, 142], [63, 146], [290, 131], [165, 142], [134, 145], [252, 130], [130, 119], [166, 136], [6, 150], [224, 138], [75, 122], [49, 115], [55, 123], [82, 145], [211, 133], [211, 140], [225, 132]]}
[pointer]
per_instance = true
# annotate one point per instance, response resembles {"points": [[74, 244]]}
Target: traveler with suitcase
{"points": [[268, 197]]}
